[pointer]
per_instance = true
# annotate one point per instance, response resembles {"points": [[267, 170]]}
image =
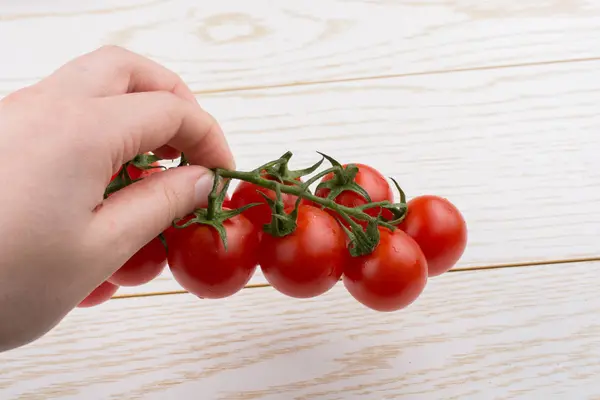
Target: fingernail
{"points": [[202, 189]]}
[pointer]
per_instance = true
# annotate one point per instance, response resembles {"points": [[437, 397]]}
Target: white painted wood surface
{"points": [[511, 146], [234, 43], [512, 140], [515, 148], [522, 333]]}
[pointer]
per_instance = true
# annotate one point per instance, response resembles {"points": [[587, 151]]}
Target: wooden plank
{"points": [[510, 333], [217, 45], [515, 149]]}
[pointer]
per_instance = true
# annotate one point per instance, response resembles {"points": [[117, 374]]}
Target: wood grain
{"points": [[230, 44], [513, 333], [515, 149]]}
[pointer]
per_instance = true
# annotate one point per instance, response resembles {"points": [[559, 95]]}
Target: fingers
{"points": [[133, 216], [161, 118], [111, 71]]}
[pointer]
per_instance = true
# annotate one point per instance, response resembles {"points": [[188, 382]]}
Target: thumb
{"points": [[133, 216]]}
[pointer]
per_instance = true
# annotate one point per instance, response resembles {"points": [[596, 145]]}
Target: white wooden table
{"points": [[495, 105]]}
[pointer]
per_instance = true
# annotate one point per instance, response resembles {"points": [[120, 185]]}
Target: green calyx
{"points": [[123, 179], [214, 215], [146, 161], [362, 242], [282, 224], [343, 180]]}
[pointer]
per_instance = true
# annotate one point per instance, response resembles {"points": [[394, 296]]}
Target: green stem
{"points": [[300, 191], [215, 199], [283, 160], [211, 208], [373, 205], [320, 175]]}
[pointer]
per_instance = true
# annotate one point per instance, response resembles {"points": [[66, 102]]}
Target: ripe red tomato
{"points": [[440, 230], [100, 295], [227, 202], [247, 193], [374, 184], [137, 173], [309, 261], [202, 266], [391, 277], [143, 266]]}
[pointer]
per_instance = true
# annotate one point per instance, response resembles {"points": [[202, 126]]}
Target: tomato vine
{"points": [[283, 180], [348, 228]]}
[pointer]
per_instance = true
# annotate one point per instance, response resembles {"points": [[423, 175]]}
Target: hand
{"points": [[62, 139]]}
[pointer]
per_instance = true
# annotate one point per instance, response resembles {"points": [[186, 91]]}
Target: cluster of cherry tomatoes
{"points": [[309, 261]]}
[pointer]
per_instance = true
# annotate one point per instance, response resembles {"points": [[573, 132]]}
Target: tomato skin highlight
{"points": [[248, 193], [440, 230], [375, 185], [100, 295], [391, 277], [202, 266], [143, 266], [309, 261]]}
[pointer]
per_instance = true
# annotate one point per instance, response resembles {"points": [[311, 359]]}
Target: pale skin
{"points": [[61, 141]]}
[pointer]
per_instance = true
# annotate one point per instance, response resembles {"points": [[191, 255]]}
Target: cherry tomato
{"points": [[143, 266], [151, 259], [309, 261], [202, 266], [100, 295], [440, 230], [374, 184], [247, 193], [227, 203], [172, 230], [391, 277], [137, 173], [167, 153]]}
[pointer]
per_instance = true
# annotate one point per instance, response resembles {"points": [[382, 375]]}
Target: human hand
{"points": [[62, 140]]}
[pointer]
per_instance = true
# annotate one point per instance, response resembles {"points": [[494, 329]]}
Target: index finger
{"points": [[112, 70], [160, 119]]}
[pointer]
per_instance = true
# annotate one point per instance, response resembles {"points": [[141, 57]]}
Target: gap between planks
{"points": [[380, 77], [399, 75], [465, 269]]}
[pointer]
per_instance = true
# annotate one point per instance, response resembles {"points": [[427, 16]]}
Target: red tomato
{"points": [[167, 153], [309, 261], [202, 266], [227, 203], [439, 228], [369, 179], [143, 266], [247, 193], [137, 173], [100, 295], [391, 277]]}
